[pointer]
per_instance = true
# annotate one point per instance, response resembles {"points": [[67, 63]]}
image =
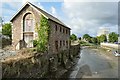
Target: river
{"points": [[93, 64]]}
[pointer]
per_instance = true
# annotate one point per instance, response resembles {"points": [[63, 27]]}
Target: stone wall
{"points": [[38, 65], [58, 35], [110, 45], [58, 32], [75, 49], [28, 67], [17, 24], [6, 42]]}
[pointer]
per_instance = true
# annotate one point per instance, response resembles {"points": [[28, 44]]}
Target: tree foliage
{"points": [[113, 37], [98, 39], [7, 30], [87, 37], [43, 34], [79, 38], [102, 38], [94, 40], [73, 37]]}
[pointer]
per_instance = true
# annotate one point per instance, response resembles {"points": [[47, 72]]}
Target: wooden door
{"points": [[28, 40]]}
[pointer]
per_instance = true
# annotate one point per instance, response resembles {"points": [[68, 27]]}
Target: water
{"points": [[92, 64]]}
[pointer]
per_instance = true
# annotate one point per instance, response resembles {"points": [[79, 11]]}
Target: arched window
{"points": [[28, 23], [28, 28]]}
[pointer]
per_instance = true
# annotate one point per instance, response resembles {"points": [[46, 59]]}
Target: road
{"points": [[94, 64]]}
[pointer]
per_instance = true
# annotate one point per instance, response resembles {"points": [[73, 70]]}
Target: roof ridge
{"points": [[43, 11], [46, 14]]}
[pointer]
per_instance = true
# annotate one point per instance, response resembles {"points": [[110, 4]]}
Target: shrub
{"points": [[34, 43]]}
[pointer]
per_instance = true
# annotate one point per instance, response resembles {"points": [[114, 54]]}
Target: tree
{"points": [[94, 40], [103, 38], [7, 30], [73, 37], [98, 39], [87, 37], [113, 37], [79, 38]]}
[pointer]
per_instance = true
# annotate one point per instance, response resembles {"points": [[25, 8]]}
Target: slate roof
{"points": [[49, 16]]}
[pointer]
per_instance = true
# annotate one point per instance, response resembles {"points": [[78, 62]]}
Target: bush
{"points": [[82, 43], [6, 42], [34, 43]]}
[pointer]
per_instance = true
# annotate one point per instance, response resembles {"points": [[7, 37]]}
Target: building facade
{"points": [[24, 25]]}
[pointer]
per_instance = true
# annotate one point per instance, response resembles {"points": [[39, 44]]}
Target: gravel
{"points": [[4, 54]]}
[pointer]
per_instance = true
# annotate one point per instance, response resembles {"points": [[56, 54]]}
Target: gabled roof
{"points": [[45, 14]]}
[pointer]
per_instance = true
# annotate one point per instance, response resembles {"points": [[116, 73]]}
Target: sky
{"points": [[82, 16]]}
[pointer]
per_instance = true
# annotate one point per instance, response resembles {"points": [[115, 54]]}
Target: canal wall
{"points": [[110, 45], [29, 64]]}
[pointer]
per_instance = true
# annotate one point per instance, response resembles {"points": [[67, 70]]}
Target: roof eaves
{"points": [[23, 7], [18, 11], [37, 10]]}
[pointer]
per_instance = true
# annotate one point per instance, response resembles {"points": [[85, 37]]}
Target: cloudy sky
{"points": [[82, 16]]}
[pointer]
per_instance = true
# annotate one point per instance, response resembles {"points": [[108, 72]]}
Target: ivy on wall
{"points": [[43, 34]]}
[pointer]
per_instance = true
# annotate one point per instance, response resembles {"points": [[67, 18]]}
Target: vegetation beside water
{"points": [[83, 43], [87, 40]]}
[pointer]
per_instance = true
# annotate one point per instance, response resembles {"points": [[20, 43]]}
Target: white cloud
{"points": [[53, 11], [7, 13], [39, 5], [87, 17], [24, 1]]}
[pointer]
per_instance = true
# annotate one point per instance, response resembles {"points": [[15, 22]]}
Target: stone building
{"points": [[23, 29]]}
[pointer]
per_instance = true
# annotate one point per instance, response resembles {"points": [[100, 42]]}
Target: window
{"points": [[63, 43], [60, 44], [66, 31], [56, 45], [56, 27], [63, 30], [60, 29], [28, 23], [66, 44]]}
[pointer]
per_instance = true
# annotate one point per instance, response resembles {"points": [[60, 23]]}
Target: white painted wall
{"points": [[110, 45], [118, 39]]}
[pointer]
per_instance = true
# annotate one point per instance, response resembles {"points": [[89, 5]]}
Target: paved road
{"points": [[93, 64]]}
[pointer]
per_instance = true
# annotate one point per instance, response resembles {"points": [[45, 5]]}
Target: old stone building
{"points": [[23, 29]]}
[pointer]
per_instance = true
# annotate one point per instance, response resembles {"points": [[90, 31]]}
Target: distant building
{"points": [[104, 30]]}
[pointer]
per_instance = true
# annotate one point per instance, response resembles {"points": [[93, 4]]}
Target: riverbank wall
{"points": [[110, 46], [29, 64]]}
